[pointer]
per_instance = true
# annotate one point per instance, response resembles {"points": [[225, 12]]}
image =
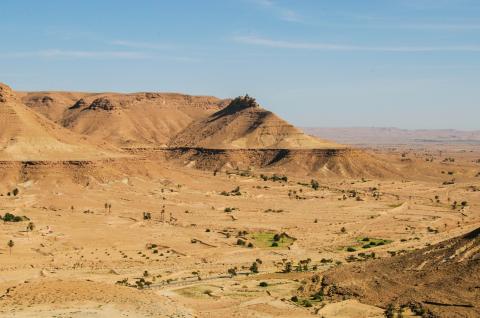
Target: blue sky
{"points": [[402, 63]]}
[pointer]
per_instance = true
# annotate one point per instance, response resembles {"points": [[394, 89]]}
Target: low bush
{"points": [[9, 217]]}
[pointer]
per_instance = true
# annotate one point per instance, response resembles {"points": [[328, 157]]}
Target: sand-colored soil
{"points": [[146, 231]]}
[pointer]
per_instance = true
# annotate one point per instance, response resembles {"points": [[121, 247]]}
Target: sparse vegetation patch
{"points": [[9, 217], [271, 239]]}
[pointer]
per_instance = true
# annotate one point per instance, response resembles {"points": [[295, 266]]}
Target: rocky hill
{"points": [[26, 135], [126, 120], [442, 280], [243, 124]]}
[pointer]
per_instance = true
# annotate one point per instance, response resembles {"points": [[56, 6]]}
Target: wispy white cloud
{"points": [[141, 45], [440, 26], [282, 12], [56, 54], [266, 42], [74, 54], [150, 46]]}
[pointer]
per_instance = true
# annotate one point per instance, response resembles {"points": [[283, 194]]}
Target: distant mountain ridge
{"points": [[126, 120], [391, 135], [151, 119]]}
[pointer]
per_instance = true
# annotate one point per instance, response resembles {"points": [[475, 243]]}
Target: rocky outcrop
{"points": [[238, 104], [80, 104], [102, 103], [6, 93]]}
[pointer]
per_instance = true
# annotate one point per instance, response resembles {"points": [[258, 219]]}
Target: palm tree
{"points": [[254, 268], [10, 245], [30, 227]]}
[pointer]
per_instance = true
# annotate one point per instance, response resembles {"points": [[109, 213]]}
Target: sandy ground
{"points": [[72, 261]]}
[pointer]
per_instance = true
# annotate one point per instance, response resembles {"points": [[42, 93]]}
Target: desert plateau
{"points": [[168, 205]]}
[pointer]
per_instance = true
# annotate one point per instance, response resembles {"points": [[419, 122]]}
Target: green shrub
{"points": [[307, 303], [318, 295], [9, 217]]}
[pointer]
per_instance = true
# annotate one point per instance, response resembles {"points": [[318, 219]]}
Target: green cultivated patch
{"points": [[267, 239], [198, 291], [369, 242], [365, 243]]}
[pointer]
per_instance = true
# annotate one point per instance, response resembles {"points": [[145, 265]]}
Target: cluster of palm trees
{"points": [[30, 227]]}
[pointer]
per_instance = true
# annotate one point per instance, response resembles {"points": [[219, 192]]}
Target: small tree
{"points": [[315, 185], [288, 267], [30, 227], [254, 268], [232, 271], [10, 245]]}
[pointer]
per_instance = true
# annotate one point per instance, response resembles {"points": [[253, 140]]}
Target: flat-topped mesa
{"points": [[6, 93]]}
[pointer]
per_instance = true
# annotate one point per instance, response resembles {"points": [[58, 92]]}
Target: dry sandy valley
{"points": [[168, 205]]}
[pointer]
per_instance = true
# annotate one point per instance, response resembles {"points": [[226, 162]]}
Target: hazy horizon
{"points": [[397, 128]]}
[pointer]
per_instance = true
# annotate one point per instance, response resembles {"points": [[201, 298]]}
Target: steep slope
{"points": [[26, 135], [349, 163], [443, 278], [126, 120], [243, 124]]}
